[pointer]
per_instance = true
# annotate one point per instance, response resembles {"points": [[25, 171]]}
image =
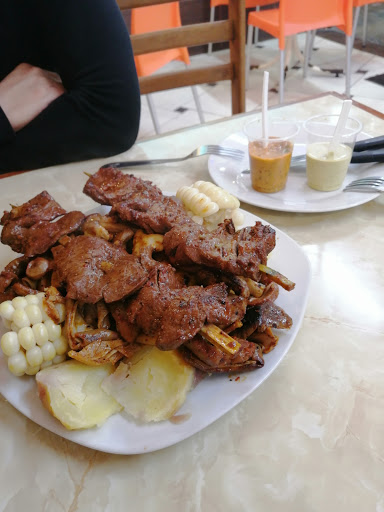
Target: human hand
{"points": [[26, 92]]}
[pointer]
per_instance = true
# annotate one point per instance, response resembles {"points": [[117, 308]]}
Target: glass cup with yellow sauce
{"points": [[270, 158], [327, 163]]}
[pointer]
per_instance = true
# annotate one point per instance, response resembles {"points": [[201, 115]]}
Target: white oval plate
{"points": [[297, 195], [210, 400]]}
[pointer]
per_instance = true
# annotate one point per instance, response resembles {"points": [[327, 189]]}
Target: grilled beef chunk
{"points": [[39, 208], [110, 186], [208, 358], [94, 269], [28, 229], [258, 318], [238, 253], [173, 313], [11, 274], [152, 216], [136, 201]]}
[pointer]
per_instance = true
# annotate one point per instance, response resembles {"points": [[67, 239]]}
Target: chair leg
{"points": [[355, 21], [211, 19], [197, 103], [256, 34], [248, 55], [348, 44], [365, 21], [308, 39], [281, 86], [152, 111], [311, 45]]}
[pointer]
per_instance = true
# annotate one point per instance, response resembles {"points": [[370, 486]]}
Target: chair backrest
{"points": [[249, 4], [151, 19], [314, 14], [360, 3], [232, 30]]}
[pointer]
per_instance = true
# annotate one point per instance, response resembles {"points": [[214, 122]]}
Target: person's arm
{"points": [[6, 131], [24, 93], [99, 113]]}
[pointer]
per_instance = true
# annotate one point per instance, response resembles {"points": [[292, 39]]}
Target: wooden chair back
{"points": [[232, 30]]}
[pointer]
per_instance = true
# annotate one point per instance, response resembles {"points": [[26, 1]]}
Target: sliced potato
{"points": [[153, 385], [71, 392]]}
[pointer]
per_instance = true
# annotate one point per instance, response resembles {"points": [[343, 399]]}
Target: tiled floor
{"points": [[216, 98]]}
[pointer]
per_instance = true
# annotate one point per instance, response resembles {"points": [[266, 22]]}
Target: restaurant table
{"points": [[310, 438]]}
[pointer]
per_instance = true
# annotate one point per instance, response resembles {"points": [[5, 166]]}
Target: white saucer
{"points": [[297, 195]]}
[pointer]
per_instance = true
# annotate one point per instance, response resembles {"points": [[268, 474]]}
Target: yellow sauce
{"points": [[269, 165], [326, 170]]}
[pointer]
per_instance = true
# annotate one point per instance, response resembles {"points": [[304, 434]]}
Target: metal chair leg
{"points": [[365, 21], [152, 111], [248, 55], [197, 103], [308, 39], [311, 44], [256, 34], [281, 86], [211, 19], [348, 44], [356, 15]]}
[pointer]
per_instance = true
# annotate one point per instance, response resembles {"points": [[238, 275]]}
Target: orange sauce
{"points": [[269, 165]]}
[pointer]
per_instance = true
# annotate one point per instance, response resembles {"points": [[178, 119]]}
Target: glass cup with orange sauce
{"points": [[270, 159]]}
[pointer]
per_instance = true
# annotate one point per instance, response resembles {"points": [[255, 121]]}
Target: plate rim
{"points": [[45, 420]]}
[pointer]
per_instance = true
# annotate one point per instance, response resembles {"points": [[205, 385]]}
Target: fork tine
{"points": [[225, 149], [367, 182], [236, 154], [229, 155], [379, 179], [226, 152]]}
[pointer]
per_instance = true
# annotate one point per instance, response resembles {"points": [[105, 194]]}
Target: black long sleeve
{"points": [[86, 42]]}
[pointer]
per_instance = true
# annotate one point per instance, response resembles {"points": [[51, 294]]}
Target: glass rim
{"points": [[271, 123], [319, 116]]}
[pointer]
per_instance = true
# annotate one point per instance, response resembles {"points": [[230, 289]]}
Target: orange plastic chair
{"points": [[295, 16], [151, 19], [249, 4]]}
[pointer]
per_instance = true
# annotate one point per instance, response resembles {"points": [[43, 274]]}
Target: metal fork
{"points": [[236, 154], [369, 184]]}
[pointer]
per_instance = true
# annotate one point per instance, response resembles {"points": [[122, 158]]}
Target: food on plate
{"points": [[326, 168], [209, 205], [153, 385], [72, 393], [34, 340], [270, 164], [141, 279]]}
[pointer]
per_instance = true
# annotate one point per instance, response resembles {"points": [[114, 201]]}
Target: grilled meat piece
{"points": [[270, 293], [110, 186], [206, 357], [152, 216], [39, 208], [28, 229], [258, 318], [173, 313], [238, 253], [136, 201], [11, 274], [94, 269]]}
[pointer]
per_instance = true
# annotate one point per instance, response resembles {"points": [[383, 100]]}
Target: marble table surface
{"points": [[310, 438]]}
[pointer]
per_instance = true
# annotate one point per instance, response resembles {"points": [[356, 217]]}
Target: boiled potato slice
{"points": [[71, 392], [152, 386]]}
